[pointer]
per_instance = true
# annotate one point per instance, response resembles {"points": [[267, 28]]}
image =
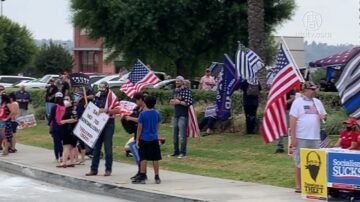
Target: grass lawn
{"points": [[229, 156]]}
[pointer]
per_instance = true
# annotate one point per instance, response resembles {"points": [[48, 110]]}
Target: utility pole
{"points": [[2, 7]]}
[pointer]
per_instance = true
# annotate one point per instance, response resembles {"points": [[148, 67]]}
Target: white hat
{"points": [[58, 94], [181, 78]]}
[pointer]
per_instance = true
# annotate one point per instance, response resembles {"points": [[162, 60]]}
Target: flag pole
{"points": [[293, 60]]}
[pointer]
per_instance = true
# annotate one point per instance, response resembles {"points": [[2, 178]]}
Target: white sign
{"points": [[90, 125], [27, 121], [126, 107]]}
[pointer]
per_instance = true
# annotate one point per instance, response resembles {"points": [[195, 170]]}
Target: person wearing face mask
{"points": [[108, 103], [349, 137], [68, 123], [56, 128]]}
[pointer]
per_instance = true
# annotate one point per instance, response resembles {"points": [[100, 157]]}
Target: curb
{"points": [[90, 185]]}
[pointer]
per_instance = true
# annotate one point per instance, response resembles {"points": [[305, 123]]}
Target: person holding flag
{"points": [[182, 100], [108, 103]]}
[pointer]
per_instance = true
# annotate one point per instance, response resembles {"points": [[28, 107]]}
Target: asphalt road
{"points": [[20, 189]]}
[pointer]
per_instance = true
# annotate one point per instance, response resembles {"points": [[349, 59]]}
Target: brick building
{"points": [[89, 54]]}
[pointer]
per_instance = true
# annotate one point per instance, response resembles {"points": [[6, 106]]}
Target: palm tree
{"points": [[256, 30]]}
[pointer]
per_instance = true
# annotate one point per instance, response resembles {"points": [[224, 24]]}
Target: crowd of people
{"points": [[65, 105]]}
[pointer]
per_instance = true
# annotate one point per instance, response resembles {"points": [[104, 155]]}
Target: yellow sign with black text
{"points": [[313, 174]]}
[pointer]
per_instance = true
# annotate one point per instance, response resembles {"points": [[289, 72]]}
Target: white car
{"points": [[9, 80], [39, 83]]}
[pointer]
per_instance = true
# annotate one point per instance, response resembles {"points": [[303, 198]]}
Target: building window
{"points": [[88, 61]]}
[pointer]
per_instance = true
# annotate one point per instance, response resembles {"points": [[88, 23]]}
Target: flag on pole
{"points": [[139, 77], [348, 86], [274, 122], [248, 63], [227, 85]]}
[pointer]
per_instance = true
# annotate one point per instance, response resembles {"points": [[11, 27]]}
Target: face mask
{"points": [[67, 103], [76, 98]]}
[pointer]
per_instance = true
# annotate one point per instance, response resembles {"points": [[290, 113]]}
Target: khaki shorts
{"points": [[303, 143]]}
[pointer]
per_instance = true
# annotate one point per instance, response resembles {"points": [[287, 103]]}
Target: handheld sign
{"points": [[90, 125], [79, 80]]}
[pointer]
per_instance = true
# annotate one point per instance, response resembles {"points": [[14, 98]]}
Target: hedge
{"points": [[201, 99]]}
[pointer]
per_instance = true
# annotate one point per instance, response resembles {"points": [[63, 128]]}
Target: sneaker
{"points": [[181, 156], [134, 177], [140, 179], [173, 155], [279, 151], [157, 180]]}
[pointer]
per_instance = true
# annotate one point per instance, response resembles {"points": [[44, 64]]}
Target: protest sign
{"points": [[27, 121], [79, 79], [90, 125]]}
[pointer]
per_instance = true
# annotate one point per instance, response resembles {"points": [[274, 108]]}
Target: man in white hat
{"points": [[181, 99]]}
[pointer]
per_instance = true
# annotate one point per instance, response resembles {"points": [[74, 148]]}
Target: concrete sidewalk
{"points": [[38, 163]]}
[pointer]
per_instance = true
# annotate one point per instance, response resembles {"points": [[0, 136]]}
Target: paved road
{"points": [[20, 189]]}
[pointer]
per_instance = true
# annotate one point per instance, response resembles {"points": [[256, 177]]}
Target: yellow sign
{"points": [[313, 174]]}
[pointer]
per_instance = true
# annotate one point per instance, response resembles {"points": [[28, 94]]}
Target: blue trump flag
{"points": [[228, 83]]}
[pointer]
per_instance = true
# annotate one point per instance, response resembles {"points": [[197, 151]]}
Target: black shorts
{"points": [[149, 150], [69, 138], [14, 126]]}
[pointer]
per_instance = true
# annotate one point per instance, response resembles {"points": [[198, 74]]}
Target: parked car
{"points": [[169, 84], [118, 82], [112, 77], [39, 83], [9, 80]]}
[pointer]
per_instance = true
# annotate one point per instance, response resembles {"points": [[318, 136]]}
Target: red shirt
{"points": [[348, 137]]}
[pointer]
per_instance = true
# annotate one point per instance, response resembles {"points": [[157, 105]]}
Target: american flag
{"points": [[248, 63], [192, 126], [139, 77], [274, 122], [348, 86], [112, 102]]}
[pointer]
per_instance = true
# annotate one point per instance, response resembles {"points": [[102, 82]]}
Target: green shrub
{"points": [[40, 113], [166, 112]]}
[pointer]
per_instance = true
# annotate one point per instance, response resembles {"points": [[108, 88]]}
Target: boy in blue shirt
{"points": [[147, 140]]}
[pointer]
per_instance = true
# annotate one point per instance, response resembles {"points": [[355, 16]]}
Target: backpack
{"points": [[253, 90], [60, 111]]}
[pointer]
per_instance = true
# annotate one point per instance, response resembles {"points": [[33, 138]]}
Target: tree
{"points": [[17, 46], [183, 33], [52, 59]]}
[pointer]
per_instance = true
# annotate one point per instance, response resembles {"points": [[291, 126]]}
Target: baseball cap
{"points": [[58, 94], [310, 85], [180, 78], [351, 121], [103, 86]]}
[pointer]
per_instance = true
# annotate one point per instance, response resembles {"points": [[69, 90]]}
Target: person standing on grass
{"points": [[23, 98], [56, 129], [7, 109], [108, 103], [68, 123], [50, 97], [2, 116], [306, 113], [147, 140], [15, 109], [207, 82], [181, 99]]}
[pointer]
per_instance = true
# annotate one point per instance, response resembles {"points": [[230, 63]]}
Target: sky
{"points": [[327, 21]]}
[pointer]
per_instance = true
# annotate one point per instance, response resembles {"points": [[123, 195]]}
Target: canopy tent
{"points": [[335, 62]]}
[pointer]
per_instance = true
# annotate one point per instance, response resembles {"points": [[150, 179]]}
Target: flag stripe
{"points": [[274, 122], [248, 63]]}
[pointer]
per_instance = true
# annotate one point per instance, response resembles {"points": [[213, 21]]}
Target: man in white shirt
{"points": [[305, 115]]}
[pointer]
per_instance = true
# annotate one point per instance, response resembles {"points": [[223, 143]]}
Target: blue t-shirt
{"points": [[149, 120]]}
